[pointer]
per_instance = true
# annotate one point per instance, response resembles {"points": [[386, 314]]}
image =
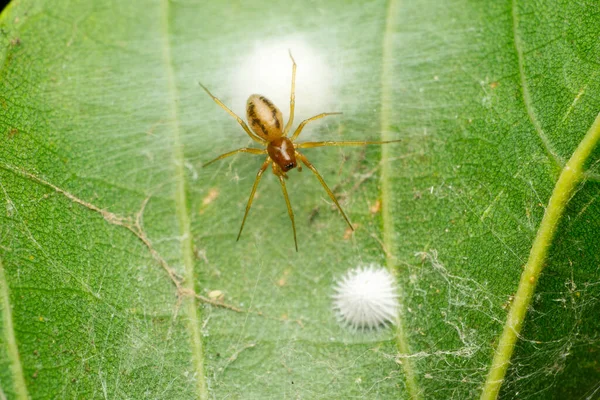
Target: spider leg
{"points": [[329, 192], [256, 181], [307, 145], [292, 97], [289, 207], [231, 153], [234, 115], [306, 121]]}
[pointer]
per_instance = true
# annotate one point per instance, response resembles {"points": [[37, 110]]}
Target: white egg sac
{"points": [[366, 297]]}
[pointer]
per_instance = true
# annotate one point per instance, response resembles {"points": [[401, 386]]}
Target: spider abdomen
{"points": [[264, 117], [281, 150]]}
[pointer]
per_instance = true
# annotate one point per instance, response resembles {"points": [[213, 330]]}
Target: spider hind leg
{"points": [[329, 192], [281, 175], [252, 193]]}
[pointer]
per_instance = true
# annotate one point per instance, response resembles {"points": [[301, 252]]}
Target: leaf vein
{"points": [[558, 161], [190, 307], [11, 340]]}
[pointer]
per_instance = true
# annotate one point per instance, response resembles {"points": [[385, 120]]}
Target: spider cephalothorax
{"points": [[266, 128], [282, 152]]}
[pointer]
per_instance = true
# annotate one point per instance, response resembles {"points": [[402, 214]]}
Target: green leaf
{"points": [[120, 276]]}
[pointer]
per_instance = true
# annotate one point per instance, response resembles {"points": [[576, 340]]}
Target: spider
{"points": [[266, 122]]}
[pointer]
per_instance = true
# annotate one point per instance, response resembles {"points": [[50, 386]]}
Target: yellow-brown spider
{"points": [[266, 122]]}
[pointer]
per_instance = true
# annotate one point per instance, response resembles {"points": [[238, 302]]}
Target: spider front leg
{"points": [[234, 152], [234, 115], [307, 145], [306, 121], [320, 178], [256, 181]]}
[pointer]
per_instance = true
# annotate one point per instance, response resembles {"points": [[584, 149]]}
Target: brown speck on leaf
{"points": [[283, 280], [494, 85], [313, 214], [15, 42], [532, 279], [12, 133], [35, 374], [348, 232], [212, 195], [376, 207], [417, 195]]}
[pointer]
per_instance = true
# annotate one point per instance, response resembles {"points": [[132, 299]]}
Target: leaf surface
{"points": [[114, 239]]}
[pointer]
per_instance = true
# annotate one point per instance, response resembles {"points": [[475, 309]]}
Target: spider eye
{"points": [[289, 166]]}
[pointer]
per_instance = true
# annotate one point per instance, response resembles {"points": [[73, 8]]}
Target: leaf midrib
{"points": [[189, 306], [386, 190]]}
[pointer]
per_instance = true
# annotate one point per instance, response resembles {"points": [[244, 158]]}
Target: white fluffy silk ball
{"points": [[366, 297]]}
